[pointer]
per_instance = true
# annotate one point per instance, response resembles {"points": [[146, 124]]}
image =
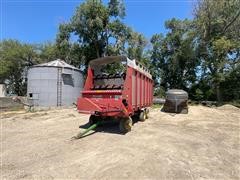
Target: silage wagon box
{"points": [[116, 88]]}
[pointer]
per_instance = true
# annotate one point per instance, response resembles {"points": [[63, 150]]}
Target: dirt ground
{"points": [[203, 144]]}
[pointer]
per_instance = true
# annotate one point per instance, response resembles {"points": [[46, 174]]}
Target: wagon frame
{"points": [[121, 101]]}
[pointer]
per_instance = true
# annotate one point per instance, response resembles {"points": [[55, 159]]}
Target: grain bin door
{"points": [[33, 98]]}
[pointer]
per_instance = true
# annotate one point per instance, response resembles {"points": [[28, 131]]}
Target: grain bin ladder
{"points": [[59, 87]]}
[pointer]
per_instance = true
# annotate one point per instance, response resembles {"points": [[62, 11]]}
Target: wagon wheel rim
{"points": [[144, 116], [128, 124]]}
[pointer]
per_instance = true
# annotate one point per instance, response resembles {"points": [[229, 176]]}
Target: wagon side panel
{"points": [[147, 91], [129, 89], [151, 92], [138, 89], [134, 102]]}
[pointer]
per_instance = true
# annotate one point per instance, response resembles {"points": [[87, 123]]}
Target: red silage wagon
{"points": [[116, 88]]}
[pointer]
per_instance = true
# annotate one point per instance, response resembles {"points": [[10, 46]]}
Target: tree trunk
{"points": [[98, 53], [219, 95]]}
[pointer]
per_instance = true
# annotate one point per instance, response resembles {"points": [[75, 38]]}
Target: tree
{"points": [[99, 31], [71, 52], [63, 44], [136, 45], [217, 27], [14, 60], [47, 52], [173, 56], [230, 87], [91, 23]]}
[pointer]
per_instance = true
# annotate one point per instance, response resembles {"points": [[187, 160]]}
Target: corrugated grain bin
{"points": [[176, 101], [55, 83]]}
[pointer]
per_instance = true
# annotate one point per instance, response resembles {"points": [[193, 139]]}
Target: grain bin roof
{"points": [[57, 63]]}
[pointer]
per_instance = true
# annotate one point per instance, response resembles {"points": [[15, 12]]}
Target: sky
{"points": [[36, 21]]}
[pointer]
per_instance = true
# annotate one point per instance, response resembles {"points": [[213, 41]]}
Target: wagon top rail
{"points": [[125, 60]]}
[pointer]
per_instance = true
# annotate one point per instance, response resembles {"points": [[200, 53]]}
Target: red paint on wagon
{"points": [[124, 99]]}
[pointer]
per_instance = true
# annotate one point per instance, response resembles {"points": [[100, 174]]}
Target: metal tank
{"points": [[55, 83], [176, 101]]}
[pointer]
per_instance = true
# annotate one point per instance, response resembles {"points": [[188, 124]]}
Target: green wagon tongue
{"points": [[81, 134]]}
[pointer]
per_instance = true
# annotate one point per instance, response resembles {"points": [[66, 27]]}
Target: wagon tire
{"points": [[184, 111], [147, 113], [125, 125], [93, 120], [147, 116], [142, 116]]}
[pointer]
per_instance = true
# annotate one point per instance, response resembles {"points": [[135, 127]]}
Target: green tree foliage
{"points": [[230, 87], [14, 60], [99, 31], [217, 26], [71, 52], [201, 56], [116, 8], [17, 57], [63, 42], [47, 52], [90, 23], [173, 56], [136, 46]]}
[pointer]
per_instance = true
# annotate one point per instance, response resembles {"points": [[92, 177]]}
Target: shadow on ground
{"points": [[107, 126]]}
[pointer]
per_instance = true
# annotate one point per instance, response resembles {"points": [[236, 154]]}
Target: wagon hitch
{"points": [[81, 134]]}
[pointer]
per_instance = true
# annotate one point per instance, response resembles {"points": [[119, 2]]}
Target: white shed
{"points": [[3, 90]]}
